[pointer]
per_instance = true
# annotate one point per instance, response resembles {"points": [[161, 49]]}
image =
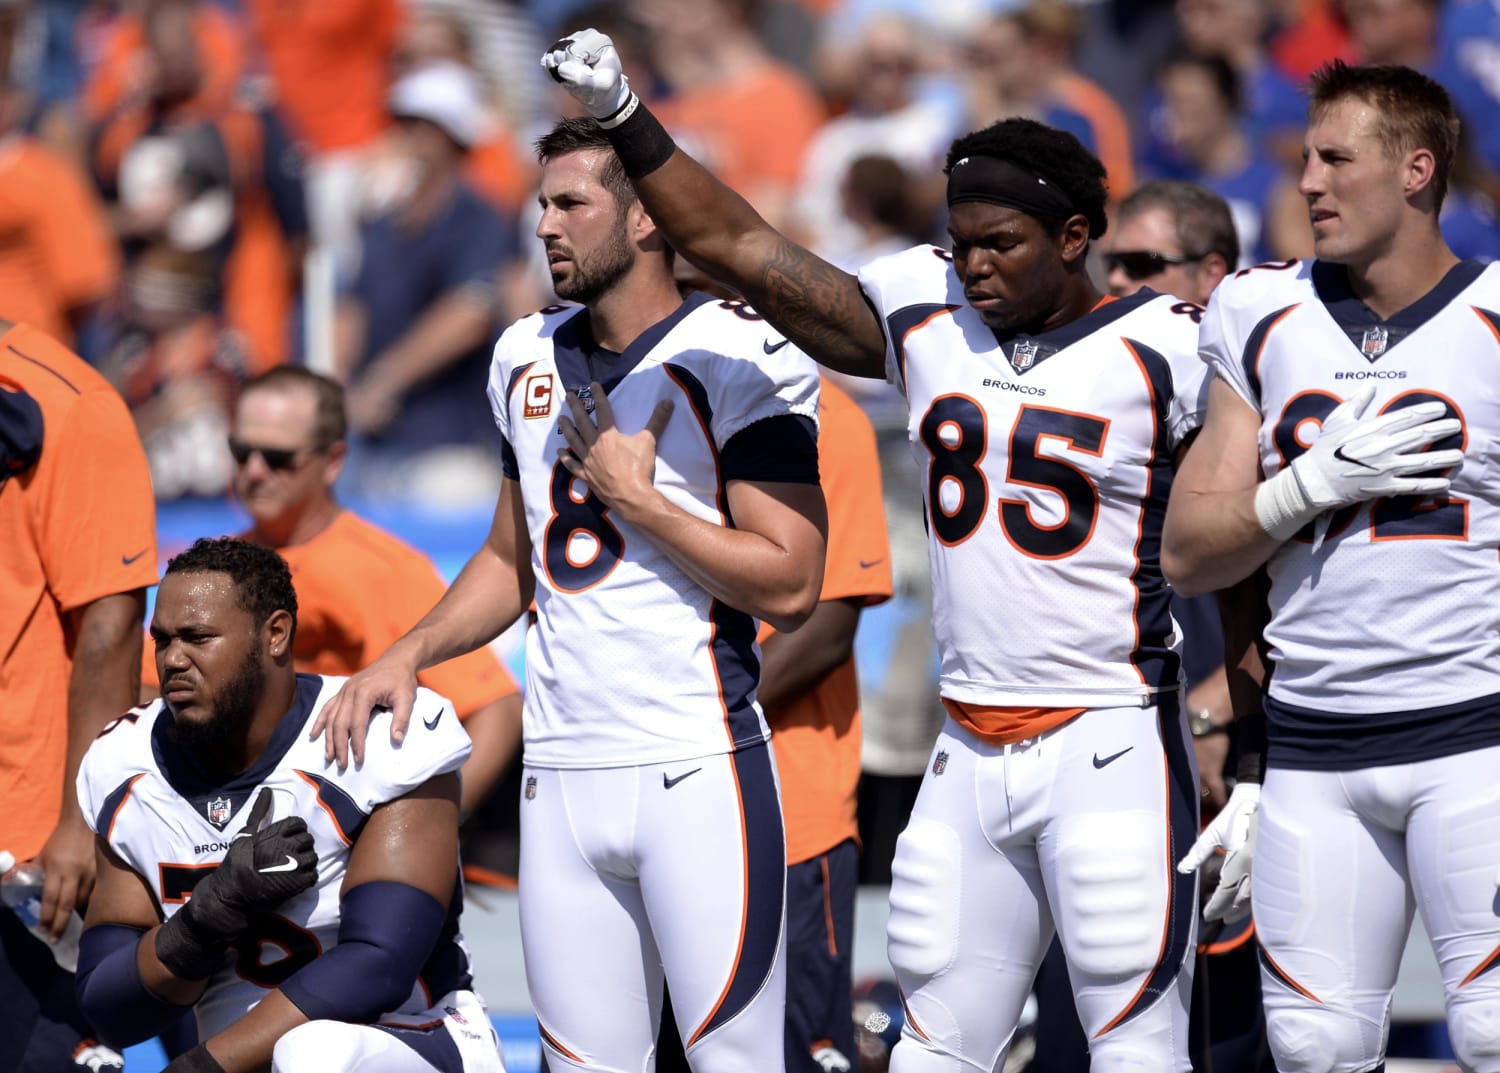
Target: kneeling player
{"points": [[325, 940]]}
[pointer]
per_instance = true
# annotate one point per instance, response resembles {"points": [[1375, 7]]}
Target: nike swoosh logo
{"points": [[433, 722], [769, 349], [866, 564], [1338, 452], [1111, 758], [126, 560], [289, 865], [669, 783]]}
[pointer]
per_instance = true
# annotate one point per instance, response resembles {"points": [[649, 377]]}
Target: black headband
{"points": [[999, 182]]}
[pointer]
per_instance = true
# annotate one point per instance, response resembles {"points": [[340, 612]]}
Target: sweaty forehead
{"points": [[1348, 122], [972, 220], [576, 173], [196, 598]]}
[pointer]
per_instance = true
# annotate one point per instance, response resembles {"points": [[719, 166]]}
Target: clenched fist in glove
{"points": [[1356, 458], [267, 865], [1233, 830], [588, 65]]}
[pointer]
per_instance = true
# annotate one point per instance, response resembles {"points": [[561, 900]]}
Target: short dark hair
{"points": [[262, 580], [883, 186], [1200, 218], [581, 134], [330, 421], [1414, 112], [1221, 73], [1048, 153]]}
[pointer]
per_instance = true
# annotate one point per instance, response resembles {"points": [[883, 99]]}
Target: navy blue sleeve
{"points": [[387, 931], [781, 449], [111, 993]]}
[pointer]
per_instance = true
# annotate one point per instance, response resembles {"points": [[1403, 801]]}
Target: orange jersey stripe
{"points": [[1005, 725], [338, 827], [130, 788]]}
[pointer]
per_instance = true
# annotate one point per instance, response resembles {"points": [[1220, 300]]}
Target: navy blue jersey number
{"points": [[570, 517]]}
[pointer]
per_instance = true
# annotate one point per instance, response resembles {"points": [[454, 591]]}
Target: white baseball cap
{"points": [[444, 93]]}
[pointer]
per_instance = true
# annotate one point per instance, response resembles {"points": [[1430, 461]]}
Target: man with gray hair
{"points": [[1174, 237]]}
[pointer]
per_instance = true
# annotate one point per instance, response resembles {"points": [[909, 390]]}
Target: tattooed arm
{"points": [[817, 306]]}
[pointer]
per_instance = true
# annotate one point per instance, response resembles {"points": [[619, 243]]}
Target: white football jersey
{"points": [[1046, 464], [172, 824], [1399, 607], [631, 661]]}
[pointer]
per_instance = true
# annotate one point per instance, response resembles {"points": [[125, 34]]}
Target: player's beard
{"points": [[233, 707], [595, 274]]}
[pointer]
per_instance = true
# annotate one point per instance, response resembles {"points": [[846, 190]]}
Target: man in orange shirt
{"points": [[810, 695], [358, 587], [732, 101], [58, 258], [329, 61], [78, 529]]}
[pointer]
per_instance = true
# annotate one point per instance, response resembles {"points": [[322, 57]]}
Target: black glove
{"points": [[262, 870], [197, 1060]]}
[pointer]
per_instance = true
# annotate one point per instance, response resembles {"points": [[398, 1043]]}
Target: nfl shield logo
{"points": [[1374, 343], [1022, 355], [940, 762], [530, 787], [218, 811], [451, 1012]]}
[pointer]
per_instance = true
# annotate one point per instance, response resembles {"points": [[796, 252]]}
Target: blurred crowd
{"points": [[197, 190]]}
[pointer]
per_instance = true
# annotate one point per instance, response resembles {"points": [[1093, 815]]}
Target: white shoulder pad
{"points": [[905, 285], [1239, 304], [520, 346], [120, 753], [749, 370], [435, 743]]}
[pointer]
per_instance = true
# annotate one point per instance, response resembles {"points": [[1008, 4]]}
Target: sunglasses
{"points": [[275, 458], [1143, 264]]}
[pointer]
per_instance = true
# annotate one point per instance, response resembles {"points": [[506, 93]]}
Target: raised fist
{"points": [[588, 65]]}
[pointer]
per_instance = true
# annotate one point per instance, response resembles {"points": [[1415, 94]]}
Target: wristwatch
{"points": [[1202, 725]]}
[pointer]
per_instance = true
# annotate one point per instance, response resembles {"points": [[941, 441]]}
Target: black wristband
{"points": [[1250, 744], [197, 1060], [640, 141], [185, 949]]}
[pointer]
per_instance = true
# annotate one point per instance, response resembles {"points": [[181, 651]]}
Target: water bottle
{"points": [[21, 889]]}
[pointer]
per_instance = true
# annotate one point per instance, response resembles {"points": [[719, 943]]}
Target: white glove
{"points": [[587, 64], [1356, 458], [1233, 830]]}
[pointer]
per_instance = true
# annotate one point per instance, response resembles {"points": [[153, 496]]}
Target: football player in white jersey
{"points": [[1046, 417], [1350, 446], [661, 494], [307, 915]]}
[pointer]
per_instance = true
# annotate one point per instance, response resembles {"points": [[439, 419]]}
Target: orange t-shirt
{"points": [[359, 589], [751, 133], [79, 526], [498, 171], [817, 736], [1111, 130], [330, 61], [57, 251], [221, 60]]}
